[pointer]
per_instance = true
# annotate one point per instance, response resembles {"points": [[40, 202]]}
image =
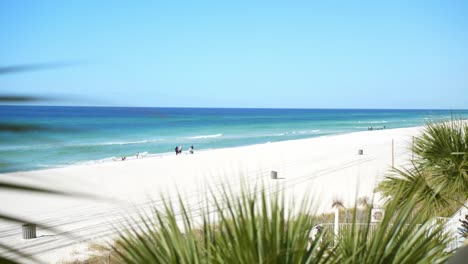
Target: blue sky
{"points": [[293, 54]]}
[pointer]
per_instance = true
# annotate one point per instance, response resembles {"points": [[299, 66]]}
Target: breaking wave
{"points": [[299, 132], [123, 143], [205, 136], [373, 122]]}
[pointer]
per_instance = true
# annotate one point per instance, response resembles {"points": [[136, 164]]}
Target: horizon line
{"points": [[208, 107]]}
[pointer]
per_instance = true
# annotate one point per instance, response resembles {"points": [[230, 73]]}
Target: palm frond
{"points": [[258, 227], [20, 68], [27, 188], [443, 148], [19, 98], [338, 203], [10, 127], [416, 186], [249, 228], [363, 201], [439, 175]]}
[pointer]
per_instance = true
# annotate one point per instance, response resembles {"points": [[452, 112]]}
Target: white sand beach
{"points": [[324, 167]]}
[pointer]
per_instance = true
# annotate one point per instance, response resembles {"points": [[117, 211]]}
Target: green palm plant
{"points": [[438, 176], [249, 228], [416, 186], [260, 227], [363, 202], [442, 149]]}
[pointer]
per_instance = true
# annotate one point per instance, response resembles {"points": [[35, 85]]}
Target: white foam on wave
{"points": [[139, 155], [46, 165], [373, 122], [44, 146], [279, 135], [306, 131], [205, 136], [97, 161], [126, 142], [292, 133]]}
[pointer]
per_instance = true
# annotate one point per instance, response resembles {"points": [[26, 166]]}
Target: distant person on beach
{"points": [[124, 158], [190, 150], [178, 150]]}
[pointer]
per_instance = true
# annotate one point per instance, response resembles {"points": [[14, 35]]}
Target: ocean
{"points": [[79, 135]]}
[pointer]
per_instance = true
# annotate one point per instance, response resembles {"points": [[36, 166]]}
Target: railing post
{"points": [[337, 212], [393, 154]]}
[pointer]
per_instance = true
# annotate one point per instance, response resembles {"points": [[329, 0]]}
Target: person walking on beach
{"points": [[190, 150], [177, 150]]}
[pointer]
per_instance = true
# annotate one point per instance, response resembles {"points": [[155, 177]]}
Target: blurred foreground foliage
{"points": [[11, 127], [259, 225]]}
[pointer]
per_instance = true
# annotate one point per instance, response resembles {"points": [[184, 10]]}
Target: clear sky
{"points": [[294, 54]]}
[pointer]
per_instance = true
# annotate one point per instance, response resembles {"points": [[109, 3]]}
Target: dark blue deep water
{"points": [[92, 134]]}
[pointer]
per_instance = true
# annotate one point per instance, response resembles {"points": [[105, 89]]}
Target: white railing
{"points": [[455, 243], [453, 225]]}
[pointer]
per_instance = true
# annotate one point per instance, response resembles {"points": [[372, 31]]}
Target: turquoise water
{"points": [[92, 134]]}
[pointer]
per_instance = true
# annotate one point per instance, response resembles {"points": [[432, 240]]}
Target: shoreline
{"points": [[105, 134], [112, 159], [324, 168]]}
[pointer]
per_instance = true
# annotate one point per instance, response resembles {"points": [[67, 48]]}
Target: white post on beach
{"points": [[29, 231], [274, 175], [336, 224], [393, 154]]}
